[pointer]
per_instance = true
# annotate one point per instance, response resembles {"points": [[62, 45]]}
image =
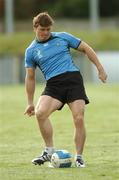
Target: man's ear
{"points": [[35, 28]]}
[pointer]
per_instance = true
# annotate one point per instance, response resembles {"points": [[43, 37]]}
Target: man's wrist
{"points": [[30, 104]]}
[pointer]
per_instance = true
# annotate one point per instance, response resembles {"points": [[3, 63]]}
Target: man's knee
{"points": [[79, 119], [41, 113]]}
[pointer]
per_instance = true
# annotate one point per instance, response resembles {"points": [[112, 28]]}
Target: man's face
{"points": [[43, 33]]}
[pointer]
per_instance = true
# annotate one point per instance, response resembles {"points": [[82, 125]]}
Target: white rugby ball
{"points": [[61, 159]]}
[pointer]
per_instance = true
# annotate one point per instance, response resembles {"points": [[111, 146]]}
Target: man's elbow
{"points": [[30, 77]]}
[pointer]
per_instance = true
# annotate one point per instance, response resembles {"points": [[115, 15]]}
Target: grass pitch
{"points": [[20, 140]]}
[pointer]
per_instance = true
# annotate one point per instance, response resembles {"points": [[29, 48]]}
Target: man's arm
{"points": [[85, 48], [30, 89]]}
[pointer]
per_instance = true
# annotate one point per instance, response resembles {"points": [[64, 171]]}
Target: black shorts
{"points": [[66, 87]]}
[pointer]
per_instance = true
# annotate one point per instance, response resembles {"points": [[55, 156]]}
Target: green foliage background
{"points": [[67, 8], [25, 9]]}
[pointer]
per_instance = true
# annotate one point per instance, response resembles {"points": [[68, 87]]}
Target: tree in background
{"points": [[71, 8], [26, 9], [1, 8], [109, 8], [61, 8]]}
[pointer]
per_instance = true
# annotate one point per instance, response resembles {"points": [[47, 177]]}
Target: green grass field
{"points": [[20, 140]]}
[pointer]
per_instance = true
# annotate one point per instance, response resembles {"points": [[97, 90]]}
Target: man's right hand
{"points": [[30, 110]]}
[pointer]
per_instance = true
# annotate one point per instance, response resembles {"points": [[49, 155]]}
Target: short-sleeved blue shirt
{"points": [[53, 56]]}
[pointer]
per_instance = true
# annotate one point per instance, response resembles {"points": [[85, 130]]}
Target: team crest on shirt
{"points": [[58, 44], [39, 54]]}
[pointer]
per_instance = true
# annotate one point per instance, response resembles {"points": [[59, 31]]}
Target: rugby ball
{"points": [[61, 159]]}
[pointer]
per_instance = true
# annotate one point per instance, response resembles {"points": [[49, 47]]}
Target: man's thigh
{"points": [[77, 107], [48, 104]]}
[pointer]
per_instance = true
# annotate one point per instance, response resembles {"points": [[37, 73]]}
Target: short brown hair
{"points": [[43, 19]]}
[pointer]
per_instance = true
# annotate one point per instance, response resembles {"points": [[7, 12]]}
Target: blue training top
{"points": [[52, 56]]}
